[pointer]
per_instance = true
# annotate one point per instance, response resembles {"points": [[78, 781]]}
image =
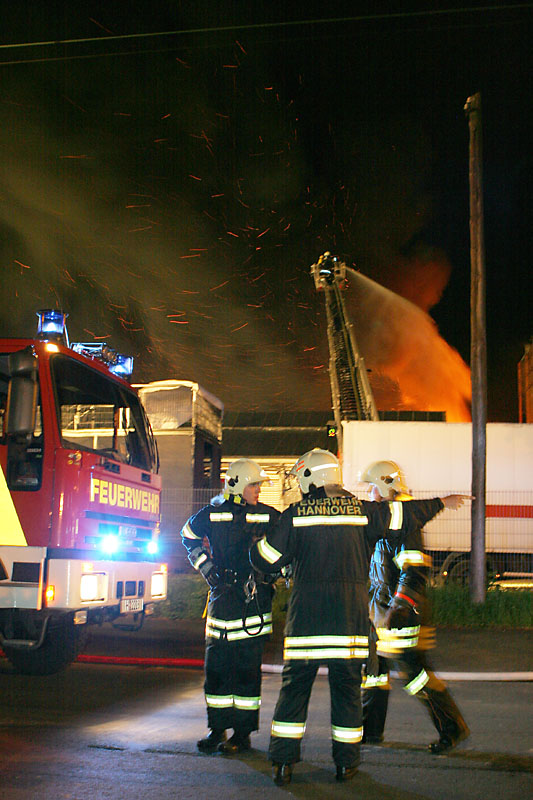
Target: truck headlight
{"points": [[93, 587], [158, 586]]}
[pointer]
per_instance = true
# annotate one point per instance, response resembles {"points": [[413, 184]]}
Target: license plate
{"points": [[131, 605]]}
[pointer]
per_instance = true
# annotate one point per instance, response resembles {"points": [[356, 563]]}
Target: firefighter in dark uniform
{"points": [[328, 538], [399, 571], [239, 614]]}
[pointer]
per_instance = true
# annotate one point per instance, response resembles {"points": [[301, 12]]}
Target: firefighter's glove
{"points": [[398, 617]]}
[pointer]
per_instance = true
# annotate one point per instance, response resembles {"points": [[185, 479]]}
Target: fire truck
{"points": [[79, 497]]}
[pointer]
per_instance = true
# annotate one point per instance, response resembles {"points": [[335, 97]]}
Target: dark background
{"points": [[171, 191]]}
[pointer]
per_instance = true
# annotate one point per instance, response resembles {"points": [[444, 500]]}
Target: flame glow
{"points": [[401, 342]]}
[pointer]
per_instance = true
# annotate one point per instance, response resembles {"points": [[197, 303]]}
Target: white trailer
{"points": [[436, 458]]}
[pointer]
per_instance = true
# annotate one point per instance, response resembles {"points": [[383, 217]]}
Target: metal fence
{"points": [[508, 533]]}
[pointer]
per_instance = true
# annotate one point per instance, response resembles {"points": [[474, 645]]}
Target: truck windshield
{"points": [[98, 414]]}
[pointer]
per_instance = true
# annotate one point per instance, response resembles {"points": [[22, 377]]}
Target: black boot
{"points": [[281, 773], [238, 743], [211, 742], [345, 773], [447, 719]]}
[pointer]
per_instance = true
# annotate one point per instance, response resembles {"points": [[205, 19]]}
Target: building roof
{"points": [[276, 433]]}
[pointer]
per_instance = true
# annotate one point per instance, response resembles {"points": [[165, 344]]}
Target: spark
{"points": [[69, 276], [99, 25], [234, 330], [26, 266], [95, 336]]}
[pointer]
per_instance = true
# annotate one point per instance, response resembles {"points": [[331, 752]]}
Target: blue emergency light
{"points": [[52, 325], [123, 366]]}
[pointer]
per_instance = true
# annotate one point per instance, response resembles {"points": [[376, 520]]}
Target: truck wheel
{"points": [[62, 644], [459, 573]]}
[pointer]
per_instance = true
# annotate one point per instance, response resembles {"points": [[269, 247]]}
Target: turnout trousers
{"points": [[418, 681], [233, 683], [288, 725]]}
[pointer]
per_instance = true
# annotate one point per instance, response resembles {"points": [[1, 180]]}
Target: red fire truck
{"points": [[79, 497]]}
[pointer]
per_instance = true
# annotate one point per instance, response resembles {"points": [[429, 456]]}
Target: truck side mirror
{"points": [[21, 408]]}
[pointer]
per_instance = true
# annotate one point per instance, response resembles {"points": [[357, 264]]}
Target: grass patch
{"points": [[186, 597], [451, 604], [509, 608]]}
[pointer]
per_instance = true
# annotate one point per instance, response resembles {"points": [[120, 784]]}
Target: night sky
{"points": [[170, 192]]}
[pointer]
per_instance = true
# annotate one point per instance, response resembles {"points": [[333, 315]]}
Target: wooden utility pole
{"points": [[478, 353]]}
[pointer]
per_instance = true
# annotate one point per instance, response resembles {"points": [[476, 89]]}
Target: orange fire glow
{"points": [[412, 366]]}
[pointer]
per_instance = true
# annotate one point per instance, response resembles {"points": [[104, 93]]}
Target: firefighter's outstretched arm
{"points": [[455, 501], [405, 514]]}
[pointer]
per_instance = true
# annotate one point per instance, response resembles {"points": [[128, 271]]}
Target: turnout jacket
{"points": [[399, 571], [218, 539], [328, 537]]}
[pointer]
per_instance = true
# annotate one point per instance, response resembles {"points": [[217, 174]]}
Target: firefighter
{"points": [[399, 572], [239, 613], [328, 537]]}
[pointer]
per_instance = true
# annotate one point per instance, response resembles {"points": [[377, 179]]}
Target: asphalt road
{"points": [[115, 732]]}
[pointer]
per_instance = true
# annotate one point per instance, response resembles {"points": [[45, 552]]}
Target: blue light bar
{"points": [[52, 325], [123, 366]]}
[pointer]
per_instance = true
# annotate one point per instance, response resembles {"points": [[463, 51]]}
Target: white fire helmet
{"points": [[386, 475], [241, 473], [317, 468]]}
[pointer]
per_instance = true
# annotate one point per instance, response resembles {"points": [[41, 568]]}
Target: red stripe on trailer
{"points": [[518, 512]]}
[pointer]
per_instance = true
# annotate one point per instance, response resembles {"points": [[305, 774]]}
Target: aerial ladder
{"points": [[352, 397]]}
